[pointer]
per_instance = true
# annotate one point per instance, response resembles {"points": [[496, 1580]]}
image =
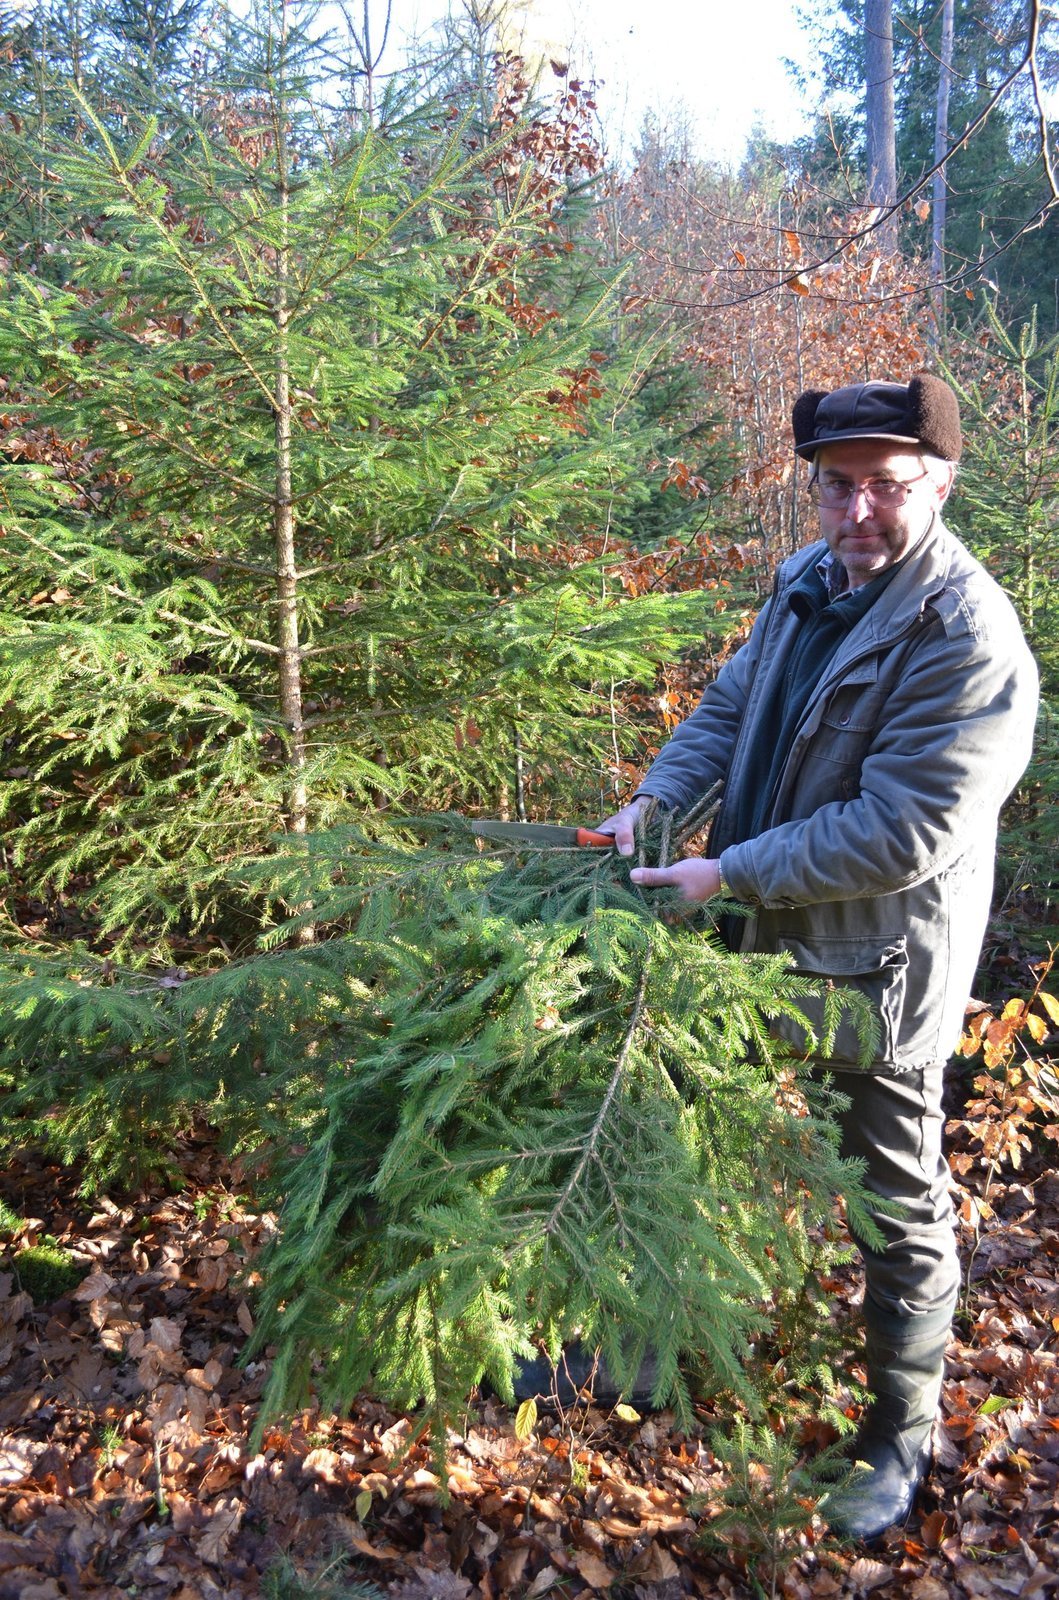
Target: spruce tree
{"points": [[307, 416], [156, 33], [1009, 481], [311, 427]]}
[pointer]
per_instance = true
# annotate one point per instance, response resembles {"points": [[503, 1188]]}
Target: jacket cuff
{"points": [[664, 800], [738, 873]]}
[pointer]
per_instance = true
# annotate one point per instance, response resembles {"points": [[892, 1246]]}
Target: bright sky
{"points": [[716, 64], [719, 61]]}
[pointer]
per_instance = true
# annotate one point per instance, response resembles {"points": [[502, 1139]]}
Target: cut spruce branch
{"points": [[506, 1099], [555, 1115]]}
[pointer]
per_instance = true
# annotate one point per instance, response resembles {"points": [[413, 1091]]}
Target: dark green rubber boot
{"points": [[905, 1360]]}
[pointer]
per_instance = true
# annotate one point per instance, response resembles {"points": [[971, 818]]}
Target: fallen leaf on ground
{"points": [[595, 1572], [867, 1574]]}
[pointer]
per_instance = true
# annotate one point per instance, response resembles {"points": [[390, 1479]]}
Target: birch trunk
{"points": [[941, 145], [879, 109]]}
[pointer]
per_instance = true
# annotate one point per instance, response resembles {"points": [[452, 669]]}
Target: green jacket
{"points": [[875, 865]]}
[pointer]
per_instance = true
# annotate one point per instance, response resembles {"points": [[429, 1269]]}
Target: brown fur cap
{"points": [[924, 412]]}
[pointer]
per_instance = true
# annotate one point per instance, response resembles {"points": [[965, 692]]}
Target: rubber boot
{"points": [[905, 1361]]}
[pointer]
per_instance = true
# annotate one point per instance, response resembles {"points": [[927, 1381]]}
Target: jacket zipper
{"points": [[799, 742]]}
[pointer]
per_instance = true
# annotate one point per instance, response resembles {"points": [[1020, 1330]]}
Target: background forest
{"points": [[374, 456]]}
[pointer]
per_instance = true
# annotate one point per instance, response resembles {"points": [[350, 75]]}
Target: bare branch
{"points": [[879, 217]]}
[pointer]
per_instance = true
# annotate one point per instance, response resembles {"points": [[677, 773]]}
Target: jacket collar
{"points": [[920, 577]]}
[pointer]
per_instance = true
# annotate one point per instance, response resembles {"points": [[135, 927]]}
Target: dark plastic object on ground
{"points": [[581, 1369]]}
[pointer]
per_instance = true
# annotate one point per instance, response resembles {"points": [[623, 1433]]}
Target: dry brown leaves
{"points": [[126, 1465]]}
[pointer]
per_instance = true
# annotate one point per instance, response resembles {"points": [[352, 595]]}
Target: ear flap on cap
{"points": [[934, 414], [803, 417]]}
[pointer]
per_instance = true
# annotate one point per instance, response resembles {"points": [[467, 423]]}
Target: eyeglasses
{"points": [[878, 491]]}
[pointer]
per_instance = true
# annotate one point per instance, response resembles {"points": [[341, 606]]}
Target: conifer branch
{"points": [[589, 1150], [209, 464], [485, 258], [449, 500], [447, 177], [193, 624], [157, 224]]}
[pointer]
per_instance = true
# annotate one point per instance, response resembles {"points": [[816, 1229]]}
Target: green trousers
{"points": [[894, 1124]]}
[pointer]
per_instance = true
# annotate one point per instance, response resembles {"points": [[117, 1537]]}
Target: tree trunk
{"points": [[290, 687], [290, 683], [941, 144], [879, 107]]}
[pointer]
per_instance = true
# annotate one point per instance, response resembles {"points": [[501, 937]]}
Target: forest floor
{"points": [[127, 1468]]}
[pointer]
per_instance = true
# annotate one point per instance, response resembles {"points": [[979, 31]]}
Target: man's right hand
{"points": [[623, 824]]}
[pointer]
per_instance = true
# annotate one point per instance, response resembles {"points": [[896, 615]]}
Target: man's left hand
{"points": [[696, 878]]}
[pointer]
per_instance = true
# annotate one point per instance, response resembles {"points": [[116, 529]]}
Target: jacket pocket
{"points": [[875, 969]]}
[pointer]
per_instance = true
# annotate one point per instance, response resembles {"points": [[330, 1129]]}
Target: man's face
{"points": [[869, 538]]}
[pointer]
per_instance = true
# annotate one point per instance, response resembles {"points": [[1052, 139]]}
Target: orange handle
{"points": [[601, 841]]}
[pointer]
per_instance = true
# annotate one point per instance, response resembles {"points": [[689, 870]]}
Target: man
{"points": [[867, 735]]}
